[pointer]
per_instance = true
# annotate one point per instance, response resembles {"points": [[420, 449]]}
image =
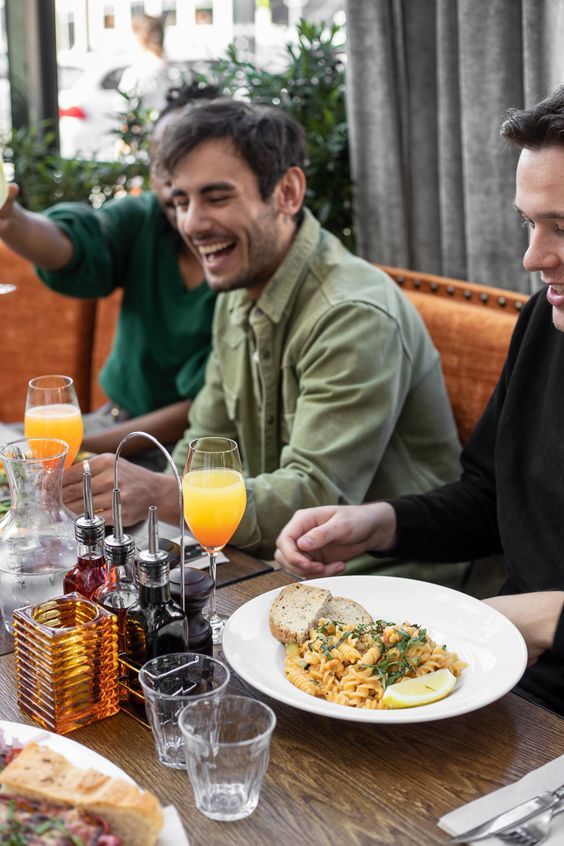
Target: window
{"points": [[109, 17], [169, 13], [67, 31], [204, 12]]}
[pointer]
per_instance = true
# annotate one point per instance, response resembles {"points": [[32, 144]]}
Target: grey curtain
{"points": [[429, 82]]}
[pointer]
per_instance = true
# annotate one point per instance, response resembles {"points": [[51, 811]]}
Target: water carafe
{"points": [[37, 545]]}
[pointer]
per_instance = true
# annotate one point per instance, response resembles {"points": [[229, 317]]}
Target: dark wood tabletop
{"points": [[334, 782]]}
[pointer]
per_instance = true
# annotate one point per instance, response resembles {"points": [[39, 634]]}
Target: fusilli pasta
{"points": [[353, 664]]}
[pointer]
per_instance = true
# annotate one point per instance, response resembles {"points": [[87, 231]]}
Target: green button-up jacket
{"points": [[330, 385]]}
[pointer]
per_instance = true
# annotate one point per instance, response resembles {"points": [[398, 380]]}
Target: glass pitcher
{"points": [[37, 544]]}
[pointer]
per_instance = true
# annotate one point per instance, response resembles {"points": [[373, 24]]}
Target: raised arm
{"points": [[33, 236]]}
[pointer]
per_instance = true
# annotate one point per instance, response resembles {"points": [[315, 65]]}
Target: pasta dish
{"points": [[353, 664]]}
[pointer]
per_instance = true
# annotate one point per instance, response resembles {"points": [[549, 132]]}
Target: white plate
{"points": [[490, 644], [81, 756]]}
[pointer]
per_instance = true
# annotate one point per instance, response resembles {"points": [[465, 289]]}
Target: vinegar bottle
{"points": [[155, 624], [89, 572], [119, 591]]}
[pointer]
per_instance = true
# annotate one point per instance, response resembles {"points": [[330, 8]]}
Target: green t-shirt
{"points": [[163, 334]]}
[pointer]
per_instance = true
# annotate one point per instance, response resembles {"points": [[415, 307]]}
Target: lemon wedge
{"points": [[3, 183], [419, 691]]}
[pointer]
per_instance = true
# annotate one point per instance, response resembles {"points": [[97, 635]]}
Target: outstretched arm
{"points": [[33, 236]]}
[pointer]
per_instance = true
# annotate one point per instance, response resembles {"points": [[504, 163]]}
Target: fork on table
{"points": [[534, 832]]}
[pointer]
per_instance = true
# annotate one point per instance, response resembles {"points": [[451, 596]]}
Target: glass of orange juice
{"points": [[52, 411], [214, 501]]}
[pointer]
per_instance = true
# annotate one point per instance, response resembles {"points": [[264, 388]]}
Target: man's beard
{"points": [[264, 256]]}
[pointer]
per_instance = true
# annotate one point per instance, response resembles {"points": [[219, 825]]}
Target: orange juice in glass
{"points": [[52, 411], [214, 497], [214, 502]]}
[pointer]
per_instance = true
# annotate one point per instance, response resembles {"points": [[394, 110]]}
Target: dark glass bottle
{"points": [[89, 572], [119, 592], [155, 624]]}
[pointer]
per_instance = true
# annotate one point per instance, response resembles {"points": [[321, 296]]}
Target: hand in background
{"points": [[7, 209], [139, 489], [536, 616], [318, 541]]}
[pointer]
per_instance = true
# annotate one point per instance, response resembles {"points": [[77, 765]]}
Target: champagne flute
{"points": [[214, 502], [52, 411]]}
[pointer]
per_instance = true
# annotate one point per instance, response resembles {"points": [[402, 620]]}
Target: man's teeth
{"points": [[209, 249]]}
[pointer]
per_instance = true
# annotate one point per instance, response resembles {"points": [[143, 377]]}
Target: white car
{"points": [[89, 100]]}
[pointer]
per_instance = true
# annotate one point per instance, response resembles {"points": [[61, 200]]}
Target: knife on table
{"points": [[515, 816]]}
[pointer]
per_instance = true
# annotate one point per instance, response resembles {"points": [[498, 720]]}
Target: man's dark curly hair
{"points": [[267, 139], [542, 125], [177, 98]]}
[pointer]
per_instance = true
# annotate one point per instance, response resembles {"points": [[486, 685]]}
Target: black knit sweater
{"points": [[510, 497]]}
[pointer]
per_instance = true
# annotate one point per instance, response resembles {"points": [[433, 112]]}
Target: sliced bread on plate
{"points": [[296, 608], [343, 610], [299, 606]]}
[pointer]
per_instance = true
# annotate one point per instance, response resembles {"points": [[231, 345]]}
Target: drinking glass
{"points": [[214, 502], [52, 411], [227, 743], [169, 683]]}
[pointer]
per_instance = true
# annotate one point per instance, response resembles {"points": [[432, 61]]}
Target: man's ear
{"points": [[290, 191]]}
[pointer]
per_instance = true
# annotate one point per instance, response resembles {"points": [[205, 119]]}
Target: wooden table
{"points": [[332, 782]]}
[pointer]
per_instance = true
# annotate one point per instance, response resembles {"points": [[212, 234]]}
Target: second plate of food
{"points": [[488, 642]]}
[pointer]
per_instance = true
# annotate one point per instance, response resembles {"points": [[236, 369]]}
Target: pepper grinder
{"points": [[197, 588], [198, 585]]}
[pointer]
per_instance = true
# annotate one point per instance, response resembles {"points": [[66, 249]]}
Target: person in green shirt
{"points": [[321, 369], [163, 334]]}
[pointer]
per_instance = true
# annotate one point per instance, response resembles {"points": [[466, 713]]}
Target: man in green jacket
{"points": [[321, 369]]}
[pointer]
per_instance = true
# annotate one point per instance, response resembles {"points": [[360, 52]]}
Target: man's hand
{"points": [[139, 489], [7, 209], [317, 541], [536, 616], [34, 236]]}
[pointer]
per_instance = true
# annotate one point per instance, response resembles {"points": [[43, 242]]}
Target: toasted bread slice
{"points": [[40, 773], [343, 610], [296, 608]]}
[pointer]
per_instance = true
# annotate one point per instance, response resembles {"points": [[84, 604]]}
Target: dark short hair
{"points": [[269, 140], [180, 96], [542, 125]]}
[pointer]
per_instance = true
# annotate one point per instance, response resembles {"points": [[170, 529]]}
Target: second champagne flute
{"points": [[214, 502], [52, 411]]}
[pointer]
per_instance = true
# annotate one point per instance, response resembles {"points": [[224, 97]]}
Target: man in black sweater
{"points": [[510, 498]]}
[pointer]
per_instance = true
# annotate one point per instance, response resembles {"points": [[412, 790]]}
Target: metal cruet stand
{"points": [[178, 482]]}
